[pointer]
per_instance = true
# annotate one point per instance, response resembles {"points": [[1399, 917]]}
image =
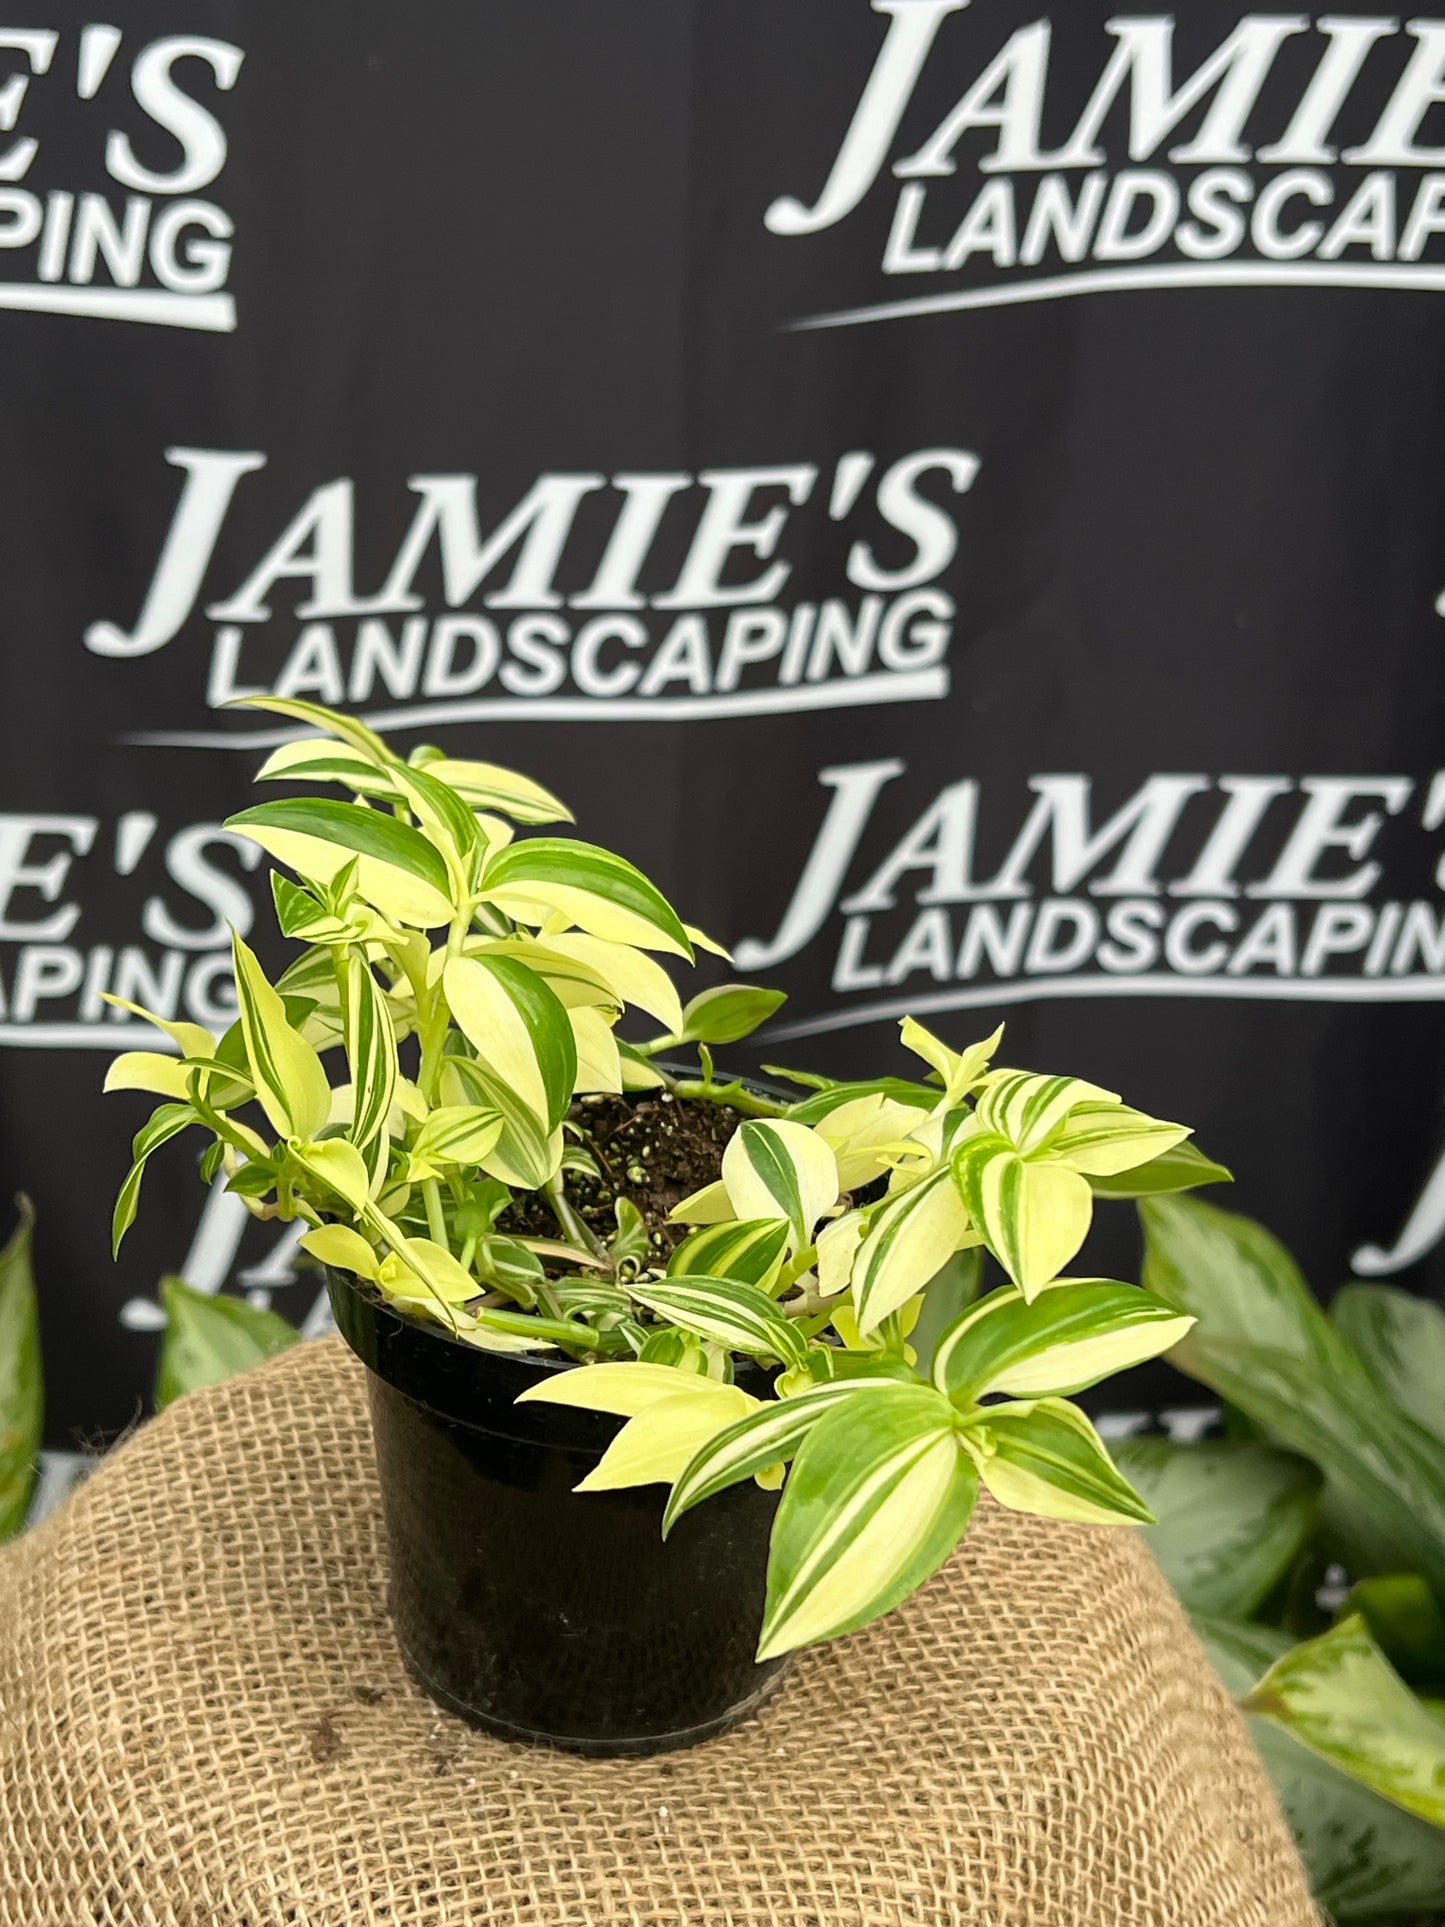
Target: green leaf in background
{"points": [[22, 1391], [1407, 1624], [1180, 1168], [727, 1013], [1339, 1696], [1385, 1476], [210, 1338], [1400, 1341], [1231, 1517], [1366, 1857], [1237, 1280]]}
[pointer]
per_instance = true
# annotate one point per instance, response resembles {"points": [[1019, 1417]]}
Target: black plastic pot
{"points": [[535, 1612]]}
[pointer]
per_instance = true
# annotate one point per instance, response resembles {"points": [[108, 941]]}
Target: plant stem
{"points": [[435, 1220], [572, 1225], [735, 1093]]}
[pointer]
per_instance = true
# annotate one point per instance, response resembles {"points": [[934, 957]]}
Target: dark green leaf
{"points": [[22, 1392], [1400, 1341], [1231, 1517]]}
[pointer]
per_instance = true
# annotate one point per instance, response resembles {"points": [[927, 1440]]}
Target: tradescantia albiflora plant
{"points": [[465, 982]]}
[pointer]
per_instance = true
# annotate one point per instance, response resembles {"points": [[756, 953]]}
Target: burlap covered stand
{"points": [[203, 1723]]}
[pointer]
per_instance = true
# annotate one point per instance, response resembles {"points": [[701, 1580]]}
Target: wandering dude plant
{"points": [[466, 983]]}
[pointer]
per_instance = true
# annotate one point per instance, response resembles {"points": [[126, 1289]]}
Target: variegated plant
{"points": [[466, 982]]}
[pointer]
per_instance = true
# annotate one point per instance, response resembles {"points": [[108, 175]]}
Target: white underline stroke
{"points": [[891, 686], [211, 313], [1311, 990], [1061, 287], [83, 1037]]}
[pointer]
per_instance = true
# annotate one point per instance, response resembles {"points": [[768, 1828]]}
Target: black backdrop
{"points": [[1001, 584]]}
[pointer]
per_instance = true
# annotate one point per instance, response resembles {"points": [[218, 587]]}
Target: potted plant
{"points": [[533, 1230]]}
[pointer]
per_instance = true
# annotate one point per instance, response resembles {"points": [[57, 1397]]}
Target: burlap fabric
{"points": [[204, 1723]]}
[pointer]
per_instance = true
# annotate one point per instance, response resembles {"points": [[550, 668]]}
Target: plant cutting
{"points": [[534, 1228], [1309, 1545]]}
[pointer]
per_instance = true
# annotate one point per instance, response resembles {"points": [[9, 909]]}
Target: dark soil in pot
{"points": [[535, 1612]]}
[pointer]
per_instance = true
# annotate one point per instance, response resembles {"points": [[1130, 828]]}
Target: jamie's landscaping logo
{"points": [[1294, 152], [1320, 888], [734, 591], [131, 239]]}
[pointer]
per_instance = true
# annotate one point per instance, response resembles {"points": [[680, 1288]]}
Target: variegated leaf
{"points": [[599, 1067], [727, 1013], [657, 1445], [1102, 1140], [398, 871], [866, 1135], [1028, 1109], [291, 1086], [485, 786], [1076, 1332], [766, 1437], [909, 1240], [371, 1053], [1032, 1216], [339, 1166], [710, 1205], [527, 1154], [630, 974], [879, 1495], [346, 729], [164, 1123], [454, 1134], [340, 1246], [773, 1168], [958, 1071], [1043, 1456], [321, 759], [445, 821], [749, 1248], [518, 1029], [148, 1070], [603, 894], [191, 1040], [624, 1388], [1339, 1696], [726, 1310]]}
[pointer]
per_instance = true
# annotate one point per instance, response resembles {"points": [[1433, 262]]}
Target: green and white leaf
{"points": [[191, 1040], [346, 729], [866, 1134], [371, 1053], [750, 1249], [456, 1134], [631, 976], [711, 1205], [764, 1438], [519, 1030], [657, 1445], [527, 1154], [1043, 1456], [1028, 1109], [1400, 1341], [727, 1311], [1366, 1858], [164, 1123], [879, 1495], [623, 1388], [599, 1067], [148, 1070], [291, 1086], [958, 1071], [1103, 1140], [1231, 1517], [486, 786], [774, 1168], [1181, 1168], [340, 1246], [601, 893], [1032, 1216], [398, 871], [1339, 1696], [909, 1241], [321, 759], [1075, 1333], [339, 1166]]}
